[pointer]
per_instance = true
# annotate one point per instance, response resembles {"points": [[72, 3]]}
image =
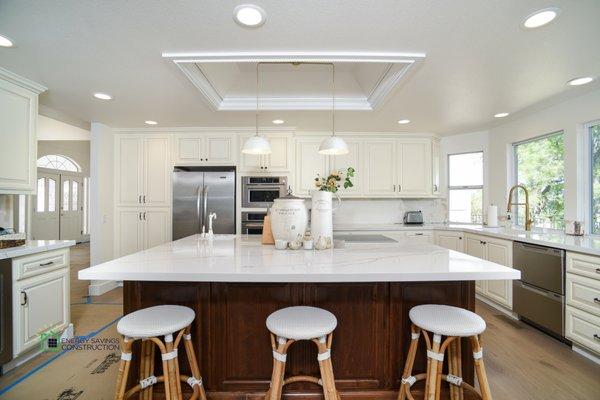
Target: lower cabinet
{"points": [[451, 240], [41, 301], [141, 228], [500, 252]]}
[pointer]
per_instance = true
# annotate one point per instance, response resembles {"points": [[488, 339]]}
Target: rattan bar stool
{"points": [[291, 324], [454, 323], [148, 325]]}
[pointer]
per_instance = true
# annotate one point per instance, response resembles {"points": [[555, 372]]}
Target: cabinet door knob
{"points": [[596, 300], [394, 188], [140, 216], [598, 270], [24, 298], [140, 199], [144, 199], [596, 336], [144, 215]]}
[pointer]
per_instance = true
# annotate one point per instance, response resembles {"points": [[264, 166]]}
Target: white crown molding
{"points": [[325, 57], [399, 64], [208, 129], [21, 81]]}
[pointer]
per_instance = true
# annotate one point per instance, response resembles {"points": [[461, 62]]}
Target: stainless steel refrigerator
{"points": [[199, 191]]}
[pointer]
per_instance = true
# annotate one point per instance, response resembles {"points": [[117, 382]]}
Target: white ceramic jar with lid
{"points": [[289, 218]]}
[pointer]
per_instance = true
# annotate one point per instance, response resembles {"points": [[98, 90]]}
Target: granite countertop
{"points": [[242, 258], [587, 244], [35, 246]]}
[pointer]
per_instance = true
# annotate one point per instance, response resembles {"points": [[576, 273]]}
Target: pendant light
{"points": [[256, 144], [333, 145]]}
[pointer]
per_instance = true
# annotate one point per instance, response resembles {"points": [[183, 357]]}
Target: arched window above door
{"points": [[59, 162]]}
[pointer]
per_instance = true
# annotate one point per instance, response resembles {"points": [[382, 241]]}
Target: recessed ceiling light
{"points": [[103, 96], [249, 15], [5, 42], [404, 121], [501, 115], [150, 122], [580, 81], [541, 17], [278, 121]]}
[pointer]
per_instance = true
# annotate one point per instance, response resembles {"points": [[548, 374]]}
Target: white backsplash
{"points": [[386, 211]]}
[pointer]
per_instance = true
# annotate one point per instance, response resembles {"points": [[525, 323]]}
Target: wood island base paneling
{"points": [[369, 346]]}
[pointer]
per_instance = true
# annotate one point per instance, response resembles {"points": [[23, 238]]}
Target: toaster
{"points": [[413, 218]]}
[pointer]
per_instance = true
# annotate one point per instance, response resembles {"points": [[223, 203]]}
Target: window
{"points": [[540, 167], [465, 188], [65, 194], [41, 195], [594, 131], [54, 161]]}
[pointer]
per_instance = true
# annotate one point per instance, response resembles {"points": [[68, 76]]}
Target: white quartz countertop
{"points": [[545, 237], [35, 246], [237, 258]]}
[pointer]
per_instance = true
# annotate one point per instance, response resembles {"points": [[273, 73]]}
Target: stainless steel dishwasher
{"points": [[539, 297]]}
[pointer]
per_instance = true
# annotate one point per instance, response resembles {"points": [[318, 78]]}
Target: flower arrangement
{"points": [[332, 182]]}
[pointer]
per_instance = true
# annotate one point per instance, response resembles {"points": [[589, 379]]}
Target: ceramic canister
{"points": [[289, 218]]}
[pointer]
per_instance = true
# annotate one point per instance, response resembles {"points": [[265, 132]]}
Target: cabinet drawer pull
{"points": [[46, 264], [596, 300], [596, 336], [418, 234], [24, 298], [598, 270]]}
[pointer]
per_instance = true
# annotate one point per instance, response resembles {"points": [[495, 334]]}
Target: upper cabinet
{"points": [[204, 149], [143, 170], [414, 167], [18, 116], [353, 159], [278, 161], [380, 167], [309, 163], [436, 161]]}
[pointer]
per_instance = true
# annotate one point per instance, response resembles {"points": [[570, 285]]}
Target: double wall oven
{"points": [[258, 194]]}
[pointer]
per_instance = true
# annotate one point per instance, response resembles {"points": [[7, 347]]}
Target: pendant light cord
{"points": [[333, 99], [256, 114]]}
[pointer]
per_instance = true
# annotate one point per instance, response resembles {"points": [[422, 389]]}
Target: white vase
{"points": [[321, 214]]}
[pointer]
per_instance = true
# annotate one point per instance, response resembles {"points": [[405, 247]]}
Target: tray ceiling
{"points": [[228, 82]]}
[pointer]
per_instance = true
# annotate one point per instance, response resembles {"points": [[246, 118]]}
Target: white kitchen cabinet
{"points": [[450, 240], [436, 162], [142, 170], [353, 159], [41, 297], [309, 163], [200, 148], [582, 328], [498, 251], [139, 228], [18, 118], [414, 167], [380, 171], [279, 160]]}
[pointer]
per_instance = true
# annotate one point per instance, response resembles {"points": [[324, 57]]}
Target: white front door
{"points": [[71, 206], [45, 223]]}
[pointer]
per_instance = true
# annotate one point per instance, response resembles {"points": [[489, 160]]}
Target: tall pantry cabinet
{"points": [[142, 192]]}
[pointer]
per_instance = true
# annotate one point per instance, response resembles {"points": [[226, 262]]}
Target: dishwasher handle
{"points": [[540, 249]]}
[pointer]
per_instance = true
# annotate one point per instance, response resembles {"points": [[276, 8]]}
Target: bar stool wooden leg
{"points": [[146, 368], [407, 378], [455, 367], [197, 384], [280, 346], [484, 387], [433, 368], [123, 368], [324, 358], [171, 357]]}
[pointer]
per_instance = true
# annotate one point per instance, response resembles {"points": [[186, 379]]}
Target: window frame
{"points": [[450, 188], [515, 171], [589, 217]]}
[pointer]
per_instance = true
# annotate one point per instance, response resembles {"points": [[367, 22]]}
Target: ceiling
{"points": [[478, 59]]}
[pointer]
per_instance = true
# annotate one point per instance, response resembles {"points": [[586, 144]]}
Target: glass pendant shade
{"points": [[333, 146], [256, 145]]}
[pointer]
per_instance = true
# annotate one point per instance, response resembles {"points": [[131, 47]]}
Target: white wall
{"points": [[101, 193], [52, 129], [568, 116]]}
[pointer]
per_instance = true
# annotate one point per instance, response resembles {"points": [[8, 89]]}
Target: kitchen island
{"points": [[233, 283]]}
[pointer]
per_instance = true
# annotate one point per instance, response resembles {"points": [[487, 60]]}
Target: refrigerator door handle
{"points": [[198, 212], [205, 204]]}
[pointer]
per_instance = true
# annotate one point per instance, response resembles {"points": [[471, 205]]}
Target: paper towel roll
{"points": [[492, 216]]}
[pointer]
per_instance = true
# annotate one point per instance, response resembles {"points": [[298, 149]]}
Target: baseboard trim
{"points": [[497, 306], [586, 353], [102, 287]]}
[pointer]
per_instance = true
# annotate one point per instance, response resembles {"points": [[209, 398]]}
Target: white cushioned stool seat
{"points": [[447, 320], [155, 321], [301, 323]]}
